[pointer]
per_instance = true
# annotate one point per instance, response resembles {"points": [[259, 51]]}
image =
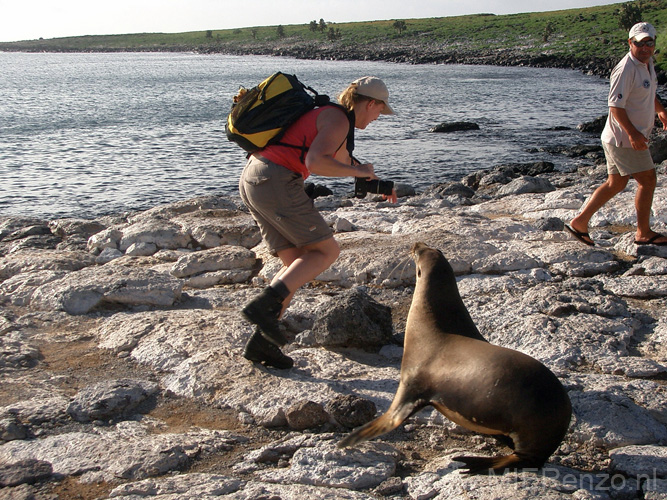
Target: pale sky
{"points": [[32, 19]]}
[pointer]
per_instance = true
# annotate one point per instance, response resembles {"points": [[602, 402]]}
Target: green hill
{"points": [[591, 39]]}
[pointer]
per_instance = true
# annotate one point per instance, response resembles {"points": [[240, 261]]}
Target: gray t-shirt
{"points": [[633, 86]]}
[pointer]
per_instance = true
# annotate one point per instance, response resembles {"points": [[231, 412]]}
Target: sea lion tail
{"points": [[497, 465], [381, 425]]}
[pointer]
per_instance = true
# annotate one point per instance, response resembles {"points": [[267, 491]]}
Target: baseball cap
{"points": [[373, 87], [642, 30]]}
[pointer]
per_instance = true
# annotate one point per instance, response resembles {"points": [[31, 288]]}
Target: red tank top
{"points": [[301, 133]]}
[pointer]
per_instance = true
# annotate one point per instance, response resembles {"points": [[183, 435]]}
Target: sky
{"points": [[33, 19]]}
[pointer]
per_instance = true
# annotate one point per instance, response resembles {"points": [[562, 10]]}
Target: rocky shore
{"points": [[410, 51], [417, 52], [121, 340]]}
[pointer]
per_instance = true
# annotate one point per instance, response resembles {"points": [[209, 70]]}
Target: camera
{"points": [[362, 186]]}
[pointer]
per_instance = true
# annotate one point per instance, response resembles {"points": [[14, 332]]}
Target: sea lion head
{"points": [[432, 263]]}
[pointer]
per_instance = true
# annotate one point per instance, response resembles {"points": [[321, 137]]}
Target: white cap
{"points": [[642, 30], [373, 87]]}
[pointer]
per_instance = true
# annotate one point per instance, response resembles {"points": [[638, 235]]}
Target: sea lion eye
{"points": [[419, 273]]}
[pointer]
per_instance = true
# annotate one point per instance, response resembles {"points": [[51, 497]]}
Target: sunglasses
{"points": [[647, 43]]}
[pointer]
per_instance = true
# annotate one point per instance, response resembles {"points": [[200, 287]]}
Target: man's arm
{"points": [[637, 139]]}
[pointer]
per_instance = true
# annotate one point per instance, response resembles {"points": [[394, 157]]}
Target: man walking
{"points": [[633, 103]]}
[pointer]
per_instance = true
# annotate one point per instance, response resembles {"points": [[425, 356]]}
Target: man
{"points": [[633, 103]]}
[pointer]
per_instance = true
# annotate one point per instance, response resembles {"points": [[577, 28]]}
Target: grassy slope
{"points": [[577, 33]]}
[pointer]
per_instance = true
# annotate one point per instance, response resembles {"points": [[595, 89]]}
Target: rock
{"points": [[526, 184], [504, 262], [225, 277], [316, 190], [325, 465], [107, 255], [655, 489], [199, 205], [27, 471], [161, 233], [10, 429], [38, 412], [532, 169], [107, 238], [609, 416], [306, 415], [550, 224], [351, 411], [18, 289], [40, 260], [390, 487], [141, 249], [16, 353], [227, 258], [648, 461], [658, 145], [342, 226], [110, 399], [452, 189], [353, 319], [495, 178], [11, 227], [404, 190], [187, 486], [67, 228], [82, 291], [593, 127], [214, 228], [127, 451], [454, 127]]}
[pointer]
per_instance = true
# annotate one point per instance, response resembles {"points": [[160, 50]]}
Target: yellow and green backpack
{"points": [[260, 115]]}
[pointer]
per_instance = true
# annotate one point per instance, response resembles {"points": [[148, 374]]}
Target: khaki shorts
{"points": [[284, 212], [626, 161]]}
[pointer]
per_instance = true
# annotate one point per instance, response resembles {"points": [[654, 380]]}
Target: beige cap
{"points": [[642, 30], [373, 87]]}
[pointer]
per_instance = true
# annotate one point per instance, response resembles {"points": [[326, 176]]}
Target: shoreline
{"points": [[409, 53]]}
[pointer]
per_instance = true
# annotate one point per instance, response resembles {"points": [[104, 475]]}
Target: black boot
{"points": [[263, 311], [260, 350]]}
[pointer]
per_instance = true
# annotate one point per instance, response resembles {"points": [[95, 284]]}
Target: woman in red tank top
{"points": [[272, 188]]}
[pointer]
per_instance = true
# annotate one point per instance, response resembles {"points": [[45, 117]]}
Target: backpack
{"points": [[260, 116]]}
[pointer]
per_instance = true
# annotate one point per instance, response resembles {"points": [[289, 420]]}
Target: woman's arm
{"points": [[332, 129]]}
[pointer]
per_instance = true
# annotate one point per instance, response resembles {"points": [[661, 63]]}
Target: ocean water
{"points": [[83, 135]]}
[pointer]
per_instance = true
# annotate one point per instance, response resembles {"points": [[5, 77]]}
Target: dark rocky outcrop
{"points": [[454, 127]]}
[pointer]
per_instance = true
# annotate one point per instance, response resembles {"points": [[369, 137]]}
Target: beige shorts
{"points": [[286, 215], [626, 161]]}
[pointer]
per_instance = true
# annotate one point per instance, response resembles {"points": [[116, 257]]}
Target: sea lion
{"points": [[483, 387]]}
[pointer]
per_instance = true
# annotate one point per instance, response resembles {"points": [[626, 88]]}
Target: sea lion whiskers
{"points": [[403, 264]]}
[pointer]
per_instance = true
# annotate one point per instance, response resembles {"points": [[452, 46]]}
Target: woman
{"points": [[272, 187]]}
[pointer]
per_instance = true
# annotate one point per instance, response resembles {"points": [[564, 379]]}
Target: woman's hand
{"points": [[391, 198], [366, 171]]}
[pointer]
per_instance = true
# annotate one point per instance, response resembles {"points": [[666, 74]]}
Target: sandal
{"points": [[581, 236], [652, 241]]}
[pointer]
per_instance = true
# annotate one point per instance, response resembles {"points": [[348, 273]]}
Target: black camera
{"points": [[362, 186]]}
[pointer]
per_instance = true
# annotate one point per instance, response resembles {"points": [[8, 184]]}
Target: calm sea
{"points": [[91, 134]]}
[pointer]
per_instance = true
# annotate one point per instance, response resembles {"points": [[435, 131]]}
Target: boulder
{"points": [[447, 127]]}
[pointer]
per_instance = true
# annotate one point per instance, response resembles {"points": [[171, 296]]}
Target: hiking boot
{"points": [[260, 350], [263, 311]]}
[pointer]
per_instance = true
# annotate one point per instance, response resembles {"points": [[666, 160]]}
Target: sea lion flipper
{"points": [[394, 417]]}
